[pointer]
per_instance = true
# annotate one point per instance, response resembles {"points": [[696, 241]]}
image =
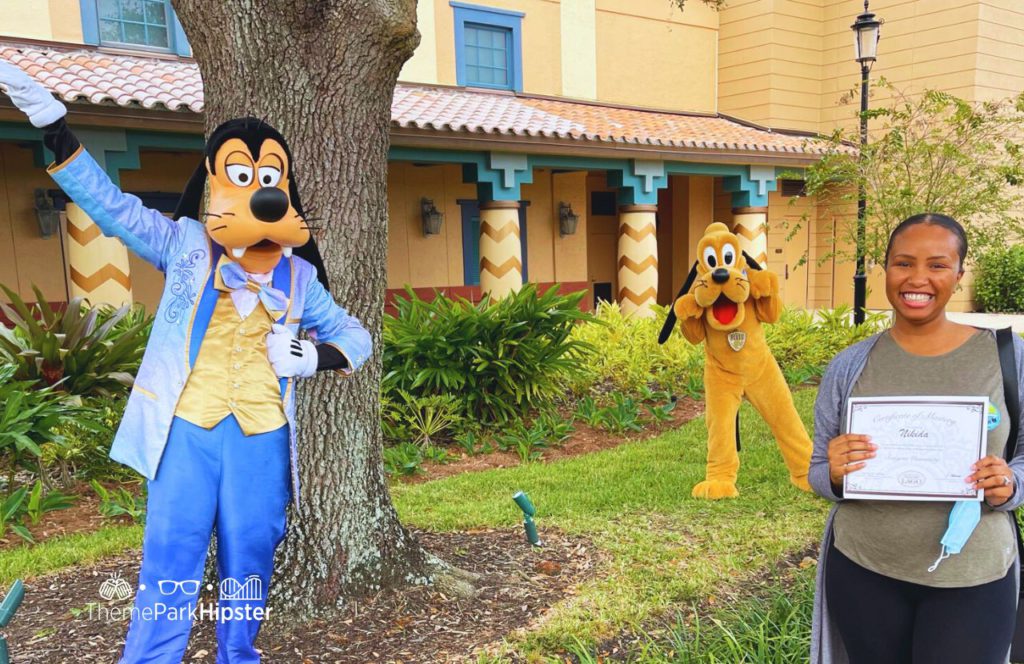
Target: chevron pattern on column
{"points": [[98, 265], [751, 226], [638, 261], [501, 261]]}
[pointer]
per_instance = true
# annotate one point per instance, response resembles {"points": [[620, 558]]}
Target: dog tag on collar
{"points": [[736, 339]]}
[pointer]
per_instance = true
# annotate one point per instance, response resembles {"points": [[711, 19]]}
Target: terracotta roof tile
{"points": [[154, 83]]}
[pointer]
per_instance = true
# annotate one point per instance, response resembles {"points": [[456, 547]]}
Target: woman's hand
{"points": [[994, 477], [847, 454]]}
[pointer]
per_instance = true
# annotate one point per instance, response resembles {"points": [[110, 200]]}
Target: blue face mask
{"points": [[963, 519]]}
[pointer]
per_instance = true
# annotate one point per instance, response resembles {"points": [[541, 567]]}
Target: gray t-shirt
{"points": [[901, 539]]}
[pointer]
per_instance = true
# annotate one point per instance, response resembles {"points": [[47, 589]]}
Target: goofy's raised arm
{"points": [[146, 232]]}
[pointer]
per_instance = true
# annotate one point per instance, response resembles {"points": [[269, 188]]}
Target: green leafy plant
{"points": [[427, 417], [12, 514], [556, 428], [627, 356], [497, 359], [929, 152], [84, 350], [622, 415], [999, 284], [31, 417], [121, 502], [436, 454], [403, 459], [588, 411], [468, 441], [40, 503]]}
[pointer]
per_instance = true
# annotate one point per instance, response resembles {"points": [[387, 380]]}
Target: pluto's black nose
{"points": [[269, 204], [721, 275]]}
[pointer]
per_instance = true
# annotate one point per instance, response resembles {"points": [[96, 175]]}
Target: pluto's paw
{"points": [[800, 482], [715, 489]]}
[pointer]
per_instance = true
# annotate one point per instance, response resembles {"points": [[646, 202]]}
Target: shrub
{"points": [[804, 342], [497, 360], [999, 285], [86, 350], [85, 444], [29, 419], [627, 354]]}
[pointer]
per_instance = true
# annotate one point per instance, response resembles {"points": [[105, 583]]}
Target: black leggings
{"points": [[883, 620]]}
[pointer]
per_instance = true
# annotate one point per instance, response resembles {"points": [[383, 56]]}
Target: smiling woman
{"points": [[880, 590]]}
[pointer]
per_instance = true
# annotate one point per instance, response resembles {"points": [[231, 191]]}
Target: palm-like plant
{"points": [[81, 349]]}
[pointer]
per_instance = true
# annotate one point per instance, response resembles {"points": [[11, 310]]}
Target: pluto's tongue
{"points": [[724, 310]]}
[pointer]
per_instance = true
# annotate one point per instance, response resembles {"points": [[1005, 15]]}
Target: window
{"points": [[488, 56], [488, 51], [138, 24]]}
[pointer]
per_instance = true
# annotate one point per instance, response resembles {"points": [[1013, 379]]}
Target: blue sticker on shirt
{"points": [[994, 418]]}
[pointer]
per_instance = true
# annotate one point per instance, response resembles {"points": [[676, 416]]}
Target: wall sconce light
{"points": [[431, 217], [46, 214], [567, 219]]}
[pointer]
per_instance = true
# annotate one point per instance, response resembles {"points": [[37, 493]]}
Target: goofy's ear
{"points": [[670, 321], [192, 197], [311, 253]]}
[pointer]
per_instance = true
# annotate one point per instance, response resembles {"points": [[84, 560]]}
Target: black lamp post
{"points": [[867, 30]]}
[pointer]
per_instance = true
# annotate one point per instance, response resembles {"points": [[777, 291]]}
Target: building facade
{"points": [[581, 142]]}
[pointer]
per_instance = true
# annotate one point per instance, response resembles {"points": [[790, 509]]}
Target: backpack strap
{"points": [[1008, 364]]}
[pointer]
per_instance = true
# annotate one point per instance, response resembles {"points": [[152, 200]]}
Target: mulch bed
{"points": [[82, 517], [584, 440], [518, 585]]}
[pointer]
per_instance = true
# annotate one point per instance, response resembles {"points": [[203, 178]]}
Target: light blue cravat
{"points": [[233, 276]]}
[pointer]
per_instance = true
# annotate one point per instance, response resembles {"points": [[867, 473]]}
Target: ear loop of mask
{"points": [[963, 519]]}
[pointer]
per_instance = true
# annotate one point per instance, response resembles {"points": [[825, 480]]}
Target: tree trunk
{"points": [[323, 72]]}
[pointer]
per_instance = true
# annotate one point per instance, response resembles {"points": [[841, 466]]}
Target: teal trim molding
{"points": [[113, 149], [499, 175], [639, 181], [751, 189]]}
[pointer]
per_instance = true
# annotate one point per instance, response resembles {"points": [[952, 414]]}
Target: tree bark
{"points": [[323, 73]]}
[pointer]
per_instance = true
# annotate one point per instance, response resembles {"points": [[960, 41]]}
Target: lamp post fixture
{"points": [[866, 30]]}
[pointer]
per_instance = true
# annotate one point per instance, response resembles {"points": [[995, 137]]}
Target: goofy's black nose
{"points": [[721, 275], [269, 204]]}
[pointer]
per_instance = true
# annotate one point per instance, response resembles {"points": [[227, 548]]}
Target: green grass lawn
{"points": [[664, 549]]}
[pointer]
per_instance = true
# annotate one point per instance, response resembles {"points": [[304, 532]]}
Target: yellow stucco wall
{"points": [[56, 20], [651, 54], [421, 261], [541, 34], [770, 62]]}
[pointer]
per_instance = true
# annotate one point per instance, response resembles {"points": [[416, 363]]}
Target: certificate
{"points": [[926, 446]]}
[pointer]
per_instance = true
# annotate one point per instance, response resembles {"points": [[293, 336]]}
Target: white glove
{"points": [[31, 98], [290, 356]]}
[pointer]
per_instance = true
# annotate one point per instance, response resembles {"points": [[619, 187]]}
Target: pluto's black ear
{"points": [[192, 197], [310, 253], [751, 263], [670, 322]]}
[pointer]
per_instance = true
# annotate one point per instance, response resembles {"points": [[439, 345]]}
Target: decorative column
{"points": [[638, 260], [98, 265], [501, 261], [750, 224], [638, 181]]}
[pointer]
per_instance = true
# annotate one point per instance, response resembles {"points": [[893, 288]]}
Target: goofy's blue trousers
{"points": [[217, 478]]}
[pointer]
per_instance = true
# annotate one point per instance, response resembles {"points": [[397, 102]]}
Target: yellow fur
{"points": [[751, 297]]}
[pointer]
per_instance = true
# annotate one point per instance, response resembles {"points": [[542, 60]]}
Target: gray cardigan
{"points": [[829, 418]]}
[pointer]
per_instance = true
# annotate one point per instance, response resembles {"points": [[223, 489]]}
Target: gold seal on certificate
{"points": [[926, 446]]}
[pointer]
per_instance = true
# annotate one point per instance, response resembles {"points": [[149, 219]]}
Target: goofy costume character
{"points": [[210, 420]]}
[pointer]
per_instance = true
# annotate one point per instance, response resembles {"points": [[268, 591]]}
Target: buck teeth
{"points": [[239, 252], [287, 251], [917, 297]]}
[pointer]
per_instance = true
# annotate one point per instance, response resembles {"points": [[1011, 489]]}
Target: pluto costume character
{"points": [[210, 420], [725, 310]]}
